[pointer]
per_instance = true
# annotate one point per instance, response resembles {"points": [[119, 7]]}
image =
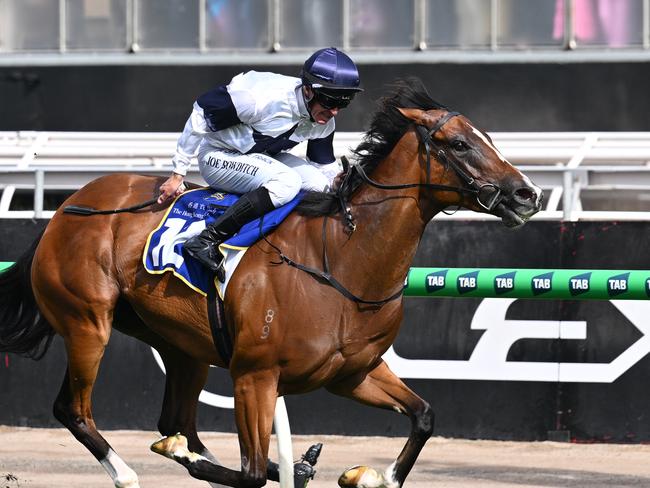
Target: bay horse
{"points": [[329, 279]]}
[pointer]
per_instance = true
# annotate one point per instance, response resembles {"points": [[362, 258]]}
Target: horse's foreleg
{"points": [[255, 397], [184, 380], [382, 388], [185, 377], [85, 347]]}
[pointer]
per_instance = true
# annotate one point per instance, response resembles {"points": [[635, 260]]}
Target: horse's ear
{"points": [[415, 114]]}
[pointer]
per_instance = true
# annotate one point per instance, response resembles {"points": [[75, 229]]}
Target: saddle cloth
{"points": [[187, 216]]}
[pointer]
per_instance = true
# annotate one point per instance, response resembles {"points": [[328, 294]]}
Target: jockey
{"points": [[241, 132]]}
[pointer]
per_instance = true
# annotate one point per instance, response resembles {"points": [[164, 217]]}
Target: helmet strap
{"points": [[309, 101]]}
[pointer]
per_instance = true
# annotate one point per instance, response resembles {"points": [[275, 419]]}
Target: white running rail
{"points": [[579, 171]]}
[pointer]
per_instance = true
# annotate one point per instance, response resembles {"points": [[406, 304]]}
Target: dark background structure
{"points": [[432, 329], [534, 96]]}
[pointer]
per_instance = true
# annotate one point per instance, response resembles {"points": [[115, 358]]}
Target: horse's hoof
{"points": [[127, 483], [361, 477], [175, 447], [170, 445]]}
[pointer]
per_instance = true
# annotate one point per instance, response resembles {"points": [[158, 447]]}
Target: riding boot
{"points": [[204, 247]]}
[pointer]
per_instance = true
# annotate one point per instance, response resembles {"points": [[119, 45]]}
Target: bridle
{"points": [[492, 197], [488, 195]]}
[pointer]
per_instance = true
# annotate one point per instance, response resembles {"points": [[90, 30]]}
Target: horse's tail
{"points": [[23, 330]]}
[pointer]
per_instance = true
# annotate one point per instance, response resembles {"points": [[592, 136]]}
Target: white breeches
{"points": [[283, 175]]}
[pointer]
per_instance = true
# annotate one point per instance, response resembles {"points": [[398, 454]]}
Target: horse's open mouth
{"points": [[510, 217], [517, 208]]}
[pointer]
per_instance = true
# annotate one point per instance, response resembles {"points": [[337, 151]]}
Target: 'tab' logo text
{"points": [[467, 282], [436, 281]]}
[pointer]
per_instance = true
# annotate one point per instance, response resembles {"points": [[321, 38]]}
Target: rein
{"points": [[492, 197], [427, 138]]}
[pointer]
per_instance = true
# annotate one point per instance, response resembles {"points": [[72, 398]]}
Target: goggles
{"points": [[330, 102]]}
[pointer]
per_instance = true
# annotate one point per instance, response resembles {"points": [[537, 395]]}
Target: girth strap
{"points": [[218, 327]]}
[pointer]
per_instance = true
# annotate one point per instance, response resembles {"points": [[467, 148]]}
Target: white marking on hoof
{"points": [[175, 447], [389, 477], [119, 471]]}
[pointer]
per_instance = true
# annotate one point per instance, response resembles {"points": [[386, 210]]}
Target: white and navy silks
{"points": [[241, 132]]}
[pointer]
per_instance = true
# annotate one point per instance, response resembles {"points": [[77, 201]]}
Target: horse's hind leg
{"points": [[185, 377], [76, 293], [382, 388], [85, 343]]}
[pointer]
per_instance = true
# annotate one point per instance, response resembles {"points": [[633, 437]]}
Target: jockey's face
{"points": [[320, 114]]}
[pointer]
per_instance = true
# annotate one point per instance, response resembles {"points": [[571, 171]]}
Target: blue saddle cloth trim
{"points": [[189, 215]]}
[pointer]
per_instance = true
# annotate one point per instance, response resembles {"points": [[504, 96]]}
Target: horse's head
{"points": [[454, 153]]}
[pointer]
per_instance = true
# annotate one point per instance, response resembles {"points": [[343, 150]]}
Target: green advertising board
{"points": [[557, 284]]}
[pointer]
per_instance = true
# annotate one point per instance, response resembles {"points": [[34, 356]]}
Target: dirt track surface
{"points": [[53, 458]]}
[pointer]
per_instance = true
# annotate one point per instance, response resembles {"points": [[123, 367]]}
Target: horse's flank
{"points": [[115, 243]]}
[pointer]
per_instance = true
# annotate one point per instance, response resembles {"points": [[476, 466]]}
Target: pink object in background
{"points": [[597, 21]]}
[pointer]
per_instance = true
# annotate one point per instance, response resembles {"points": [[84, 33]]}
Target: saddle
{"points": [[187, 216]]}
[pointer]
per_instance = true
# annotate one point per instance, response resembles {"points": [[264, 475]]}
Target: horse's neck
{"points": [[389, 225]]}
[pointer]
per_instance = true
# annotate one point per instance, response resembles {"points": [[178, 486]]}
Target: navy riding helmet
{"points": [[333, 76]]}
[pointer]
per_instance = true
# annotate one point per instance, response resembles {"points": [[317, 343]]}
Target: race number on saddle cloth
{"points": [[188, 216]]}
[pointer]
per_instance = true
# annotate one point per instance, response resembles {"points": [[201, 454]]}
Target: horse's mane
{"points": [[387, 126]]}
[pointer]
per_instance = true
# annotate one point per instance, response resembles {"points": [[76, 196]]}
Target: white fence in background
{"points": [[604, 166]]}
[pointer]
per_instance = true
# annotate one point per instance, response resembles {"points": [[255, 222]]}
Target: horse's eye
{"points": [[459, 146]]}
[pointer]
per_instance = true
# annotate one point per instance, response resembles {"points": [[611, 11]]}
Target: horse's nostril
{"points": [[525, 194]]}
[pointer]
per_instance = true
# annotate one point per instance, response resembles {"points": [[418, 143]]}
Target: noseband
{"points": [[488, 195]]}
